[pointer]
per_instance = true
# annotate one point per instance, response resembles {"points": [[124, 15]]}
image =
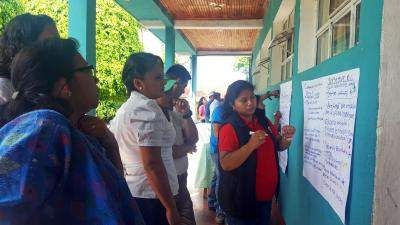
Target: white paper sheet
{"points": [[329, 115], [284, 107]]}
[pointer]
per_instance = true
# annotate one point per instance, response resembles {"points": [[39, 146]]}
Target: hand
{"points": [[288, 132], [182, 106], [93, 126], [256, 139], [173, 217], [269, 94], [193, 150], [277, 116]]}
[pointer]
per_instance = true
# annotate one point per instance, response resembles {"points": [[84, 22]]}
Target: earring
{"points": [[69, 94], [140, 88]]}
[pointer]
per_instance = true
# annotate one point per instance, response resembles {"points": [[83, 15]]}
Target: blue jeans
{"points": [[263, 215], [212, 197]]}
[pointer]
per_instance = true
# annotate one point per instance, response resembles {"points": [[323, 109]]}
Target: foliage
{"points": [[117, 36], [58, 11], [242, 64], [8, 10]]}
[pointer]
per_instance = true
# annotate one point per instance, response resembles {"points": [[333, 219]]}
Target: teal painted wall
{"points": [[273, 8], [301, 203]]}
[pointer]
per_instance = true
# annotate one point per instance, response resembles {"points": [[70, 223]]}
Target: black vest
{"points": [[237, 188]]}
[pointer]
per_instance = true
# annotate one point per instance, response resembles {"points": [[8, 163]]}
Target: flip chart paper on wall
{"points": [[329, 116], [284, 107]]}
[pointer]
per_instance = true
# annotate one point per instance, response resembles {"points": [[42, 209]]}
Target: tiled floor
{"points": [[203, 215]]}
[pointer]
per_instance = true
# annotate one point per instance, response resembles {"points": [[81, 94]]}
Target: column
{"points": [[82, 27], [169, 47]]}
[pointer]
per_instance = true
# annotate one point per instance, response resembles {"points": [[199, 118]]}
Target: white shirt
{"points": [[6, 90], [181, 164], [141, 122]]}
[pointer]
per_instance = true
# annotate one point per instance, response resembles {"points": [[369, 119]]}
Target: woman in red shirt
{"points": [[247, 148]]}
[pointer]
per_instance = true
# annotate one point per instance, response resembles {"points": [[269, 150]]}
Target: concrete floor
{"points": [[203, 215]]}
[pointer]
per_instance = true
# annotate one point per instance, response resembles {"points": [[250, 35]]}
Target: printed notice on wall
{"points": [[329, 116], [284, 107]]}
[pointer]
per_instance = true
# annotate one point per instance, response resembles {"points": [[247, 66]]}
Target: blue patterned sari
{"points": [[51, 173]]}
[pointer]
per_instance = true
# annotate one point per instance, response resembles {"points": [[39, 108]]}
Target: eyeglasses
{"points": [[85, 68]]}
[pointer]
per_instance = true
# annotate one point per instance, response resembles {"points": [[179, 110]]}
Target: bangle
{"points": [[187, 115]]}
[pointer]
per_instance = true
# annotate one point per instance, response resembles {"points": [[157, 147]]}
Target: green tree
{"points": [[8, 10], [117, 36], [242, 64], [58, 11]]}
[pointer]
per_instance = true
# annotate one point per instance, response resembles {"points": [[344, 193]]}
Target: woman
{"points": [[21, 31], [145, 139], [247, 148], [201, 109], [52, 173]]}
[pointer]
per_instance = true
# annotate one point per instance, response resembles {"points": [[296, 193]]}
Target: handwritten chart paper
{"points": [[284, 107], [329, 115]]}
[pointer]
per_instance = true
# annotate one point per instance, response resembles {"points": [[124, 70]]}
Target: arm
{"points": [[189, 129], [231, 160], [190, 136], [269, 94], [158, 179], [110, 144], [216, 127]]}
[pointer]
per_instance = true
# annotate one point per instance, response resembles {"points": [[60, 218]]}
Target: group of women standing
{"points": [[61, 166]]}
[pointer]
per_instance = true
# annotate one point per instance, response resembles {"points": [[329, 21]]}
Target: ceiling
{"points": [[217, 25]]}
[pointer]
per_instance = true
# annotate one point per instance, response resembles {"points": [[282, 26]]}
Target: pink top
{"points": [[202, 111]]}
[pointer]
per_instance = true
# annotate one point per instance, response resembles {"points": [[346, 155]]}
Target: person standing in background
{"points": [[215, 103], [216, 123], [207, 108], [21, 31], [145, 138], [201, 109], [179, 114]]}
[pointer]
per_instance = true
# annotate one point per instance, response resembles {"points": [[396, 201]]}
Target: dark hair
{"points": [[136, 67], [178, 71], [200, 103], [21, 31], [232, 93], [34, 71]]}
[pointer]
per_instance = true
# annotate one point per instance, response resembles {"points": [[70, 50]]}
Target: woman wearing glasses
{"points": [[145, 138], [52, 171]]}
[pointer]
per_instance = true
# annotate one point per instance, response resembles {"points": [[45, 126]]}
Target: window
{"points": [[335, 4], [287, 48], [322, 47], [338, 27], [357, 23], [341, 35]]}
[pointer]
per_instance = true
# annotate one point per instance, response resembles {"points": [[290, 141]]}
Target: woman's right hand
{"points": [[256, 139], [173, 216]]}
